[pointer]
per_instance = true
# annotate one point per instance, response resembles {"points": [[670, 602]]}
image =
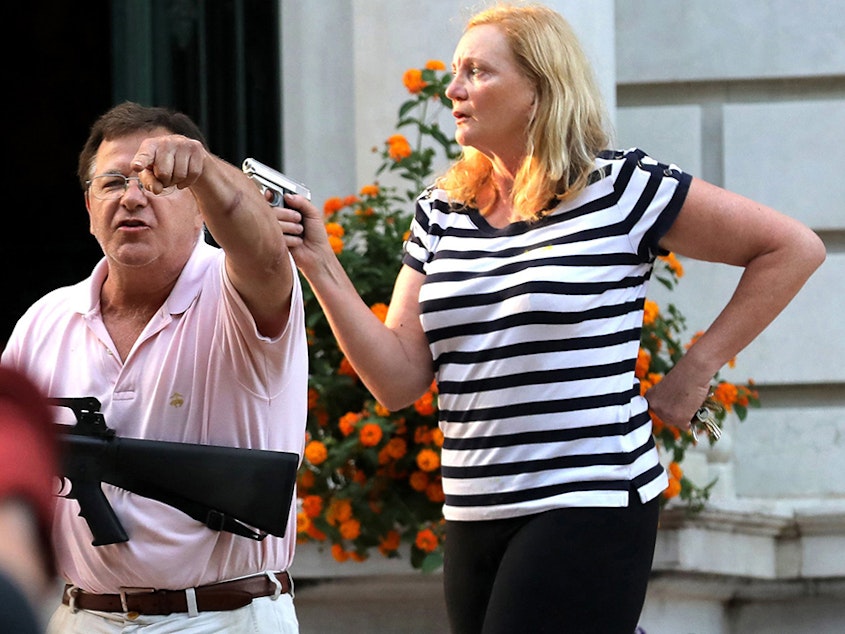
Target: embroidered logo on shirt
{"points": [[177, 400]]}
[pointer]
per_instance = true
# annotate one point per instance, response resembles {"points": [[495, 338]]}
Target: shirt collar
{"points": [[184, 293]]}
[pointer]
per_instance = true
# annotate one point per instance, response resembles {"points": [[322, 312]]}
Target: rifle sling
{"points": [[217, 521], [210, 517]]}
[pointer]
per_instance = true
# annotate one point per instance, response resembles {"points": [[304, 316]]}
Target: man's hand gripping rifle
{"points": [[243, 491]]}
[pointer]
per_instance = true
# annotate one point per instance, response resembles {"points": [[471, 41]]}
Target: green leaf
{"points": [[405, 107], [432, 562]]}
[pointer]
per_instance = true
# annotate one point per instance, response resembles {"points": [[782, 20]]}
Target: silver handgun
{"points": [[268, 178]]}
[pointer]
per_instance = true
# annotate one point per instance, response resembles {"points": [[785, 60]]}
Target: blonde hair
{"points": [[568, 127]]}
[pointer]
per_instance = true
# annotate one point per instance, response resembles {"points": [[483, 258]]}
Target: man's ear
{"points": [[88, 209]]}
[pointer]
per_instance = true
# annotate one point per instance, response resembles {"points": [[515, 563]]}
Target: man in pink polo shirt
{"points": [[179, 341]]}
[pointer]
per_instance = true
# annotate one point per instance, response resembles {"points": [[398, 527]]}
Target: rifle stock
{"points": [[226, 488]]}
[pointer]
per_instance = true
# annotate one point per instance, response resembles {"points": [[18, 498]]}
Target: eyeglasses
{"points": [[113, 186]]}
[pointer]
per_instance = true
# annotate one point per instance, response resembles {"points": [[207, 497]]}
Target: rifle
{"points": [[247, 492]]}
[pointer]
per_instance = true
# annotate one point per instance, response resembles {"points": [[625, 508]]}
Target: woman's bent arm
{"points": [[778, 255]]}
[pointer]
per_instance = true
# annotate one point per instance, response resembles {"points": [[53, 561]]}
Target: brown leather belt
{"points": [[226, 595]]}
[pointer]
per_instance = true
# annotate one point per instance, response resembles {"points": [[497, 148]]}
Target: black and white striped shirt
{"points": [[534, 329]]}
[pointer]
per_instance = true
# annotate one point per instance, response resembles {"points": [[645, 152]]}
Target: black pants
{"points": [[571, 570]]}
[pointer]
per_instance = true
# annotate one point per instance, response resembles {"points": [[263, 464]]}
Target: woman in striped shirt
{"points": [[522, 293]]}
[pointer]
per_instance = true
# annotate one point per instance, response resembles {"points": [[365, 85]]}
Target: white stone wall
{"points": [[751, 96]]}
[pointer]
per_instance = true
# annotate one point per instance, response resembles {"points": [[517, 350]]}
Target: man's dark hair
{"points": [[128, 118]]}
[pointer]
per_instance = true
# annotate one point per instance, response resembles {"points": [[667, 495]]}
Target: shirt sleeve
{"points": [[420, 245], [654, 193]]}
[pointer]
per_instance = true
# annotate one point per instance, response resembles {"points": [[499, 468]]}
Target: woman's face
{"points": [[492, 100]]}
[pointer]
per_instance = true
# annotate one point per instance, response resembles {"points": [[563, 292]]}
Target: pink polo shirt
{"points": [[199, 373]]}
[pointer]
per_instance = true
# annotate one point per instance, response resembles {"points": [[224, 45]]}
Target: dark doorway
{"points": [[63, 81]]}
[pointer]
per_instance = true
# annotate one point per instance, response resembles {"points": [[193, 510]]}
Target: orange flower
{"points": [[398, 147], [437, 437], [339, 554], [350, 200], [435, 64], [313, 398], [370, 435], [428, 460], [657, 424], [322, 417], [380, 311], [401, 425], [650, 312], [316, 452], [727, 394], [434, 492], [346, 423], [335, 229], [675, 470], [336, 244], [312, 505], [396, 448], [425, 404], [672, 262], [422, 435], [673, 489], [643, 363], [303, 522], [332, 206], [413, 80], [381, 410], [370, 190], [315, 533], [426, 540], [346, 369], [350, 529], [389, 543], [306, 479], [745, 395], [364, 213], [339, 511], [418, 480], [336, 233]]}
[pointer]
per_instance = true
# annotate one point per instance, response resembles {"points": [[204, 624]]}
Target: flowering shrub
{"points": [[370, 477], [660, 349]]}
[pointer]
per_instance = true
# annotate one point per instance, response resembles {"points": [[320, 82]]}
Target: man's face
{"points": [[137, 228]]}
